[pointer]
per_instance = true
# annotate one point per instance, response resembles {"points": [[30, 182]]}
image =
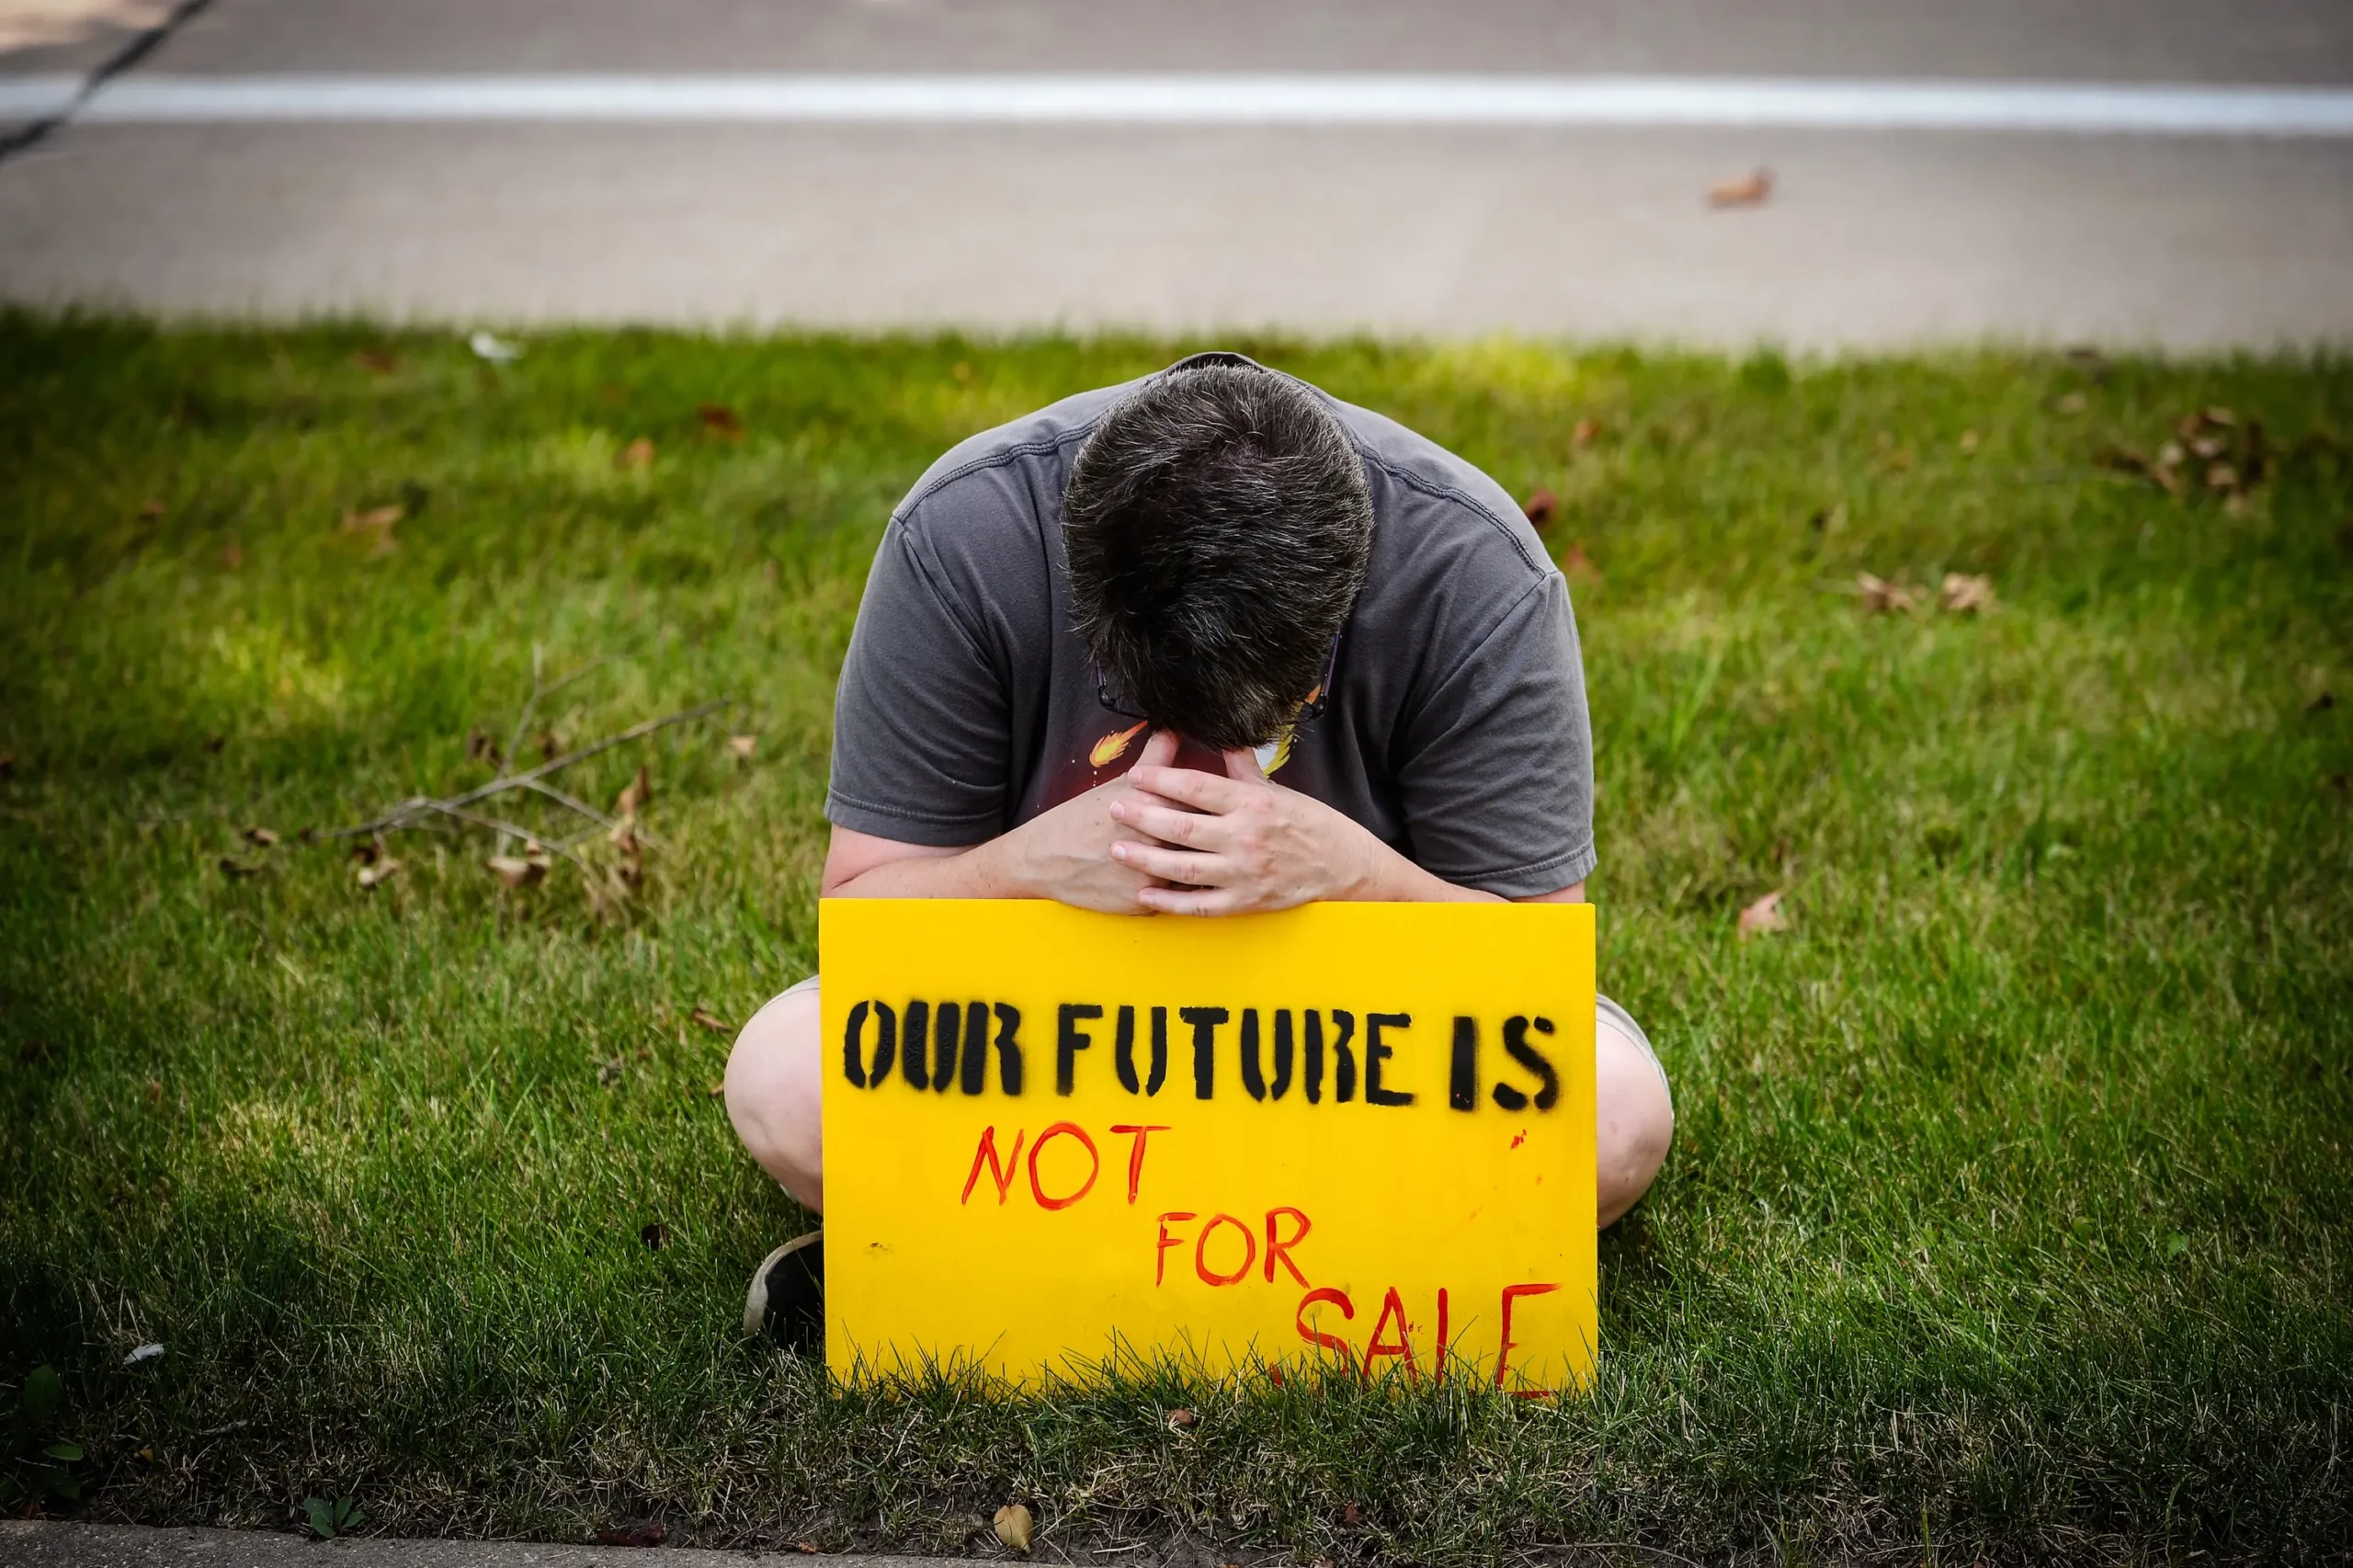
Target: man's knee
{"points": [[772, 1093], [1636, 1119]]}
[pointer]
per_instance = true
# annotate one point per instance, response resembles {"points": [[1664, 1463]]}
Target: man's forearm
{"points": [[1388, 878], [981, 871]]}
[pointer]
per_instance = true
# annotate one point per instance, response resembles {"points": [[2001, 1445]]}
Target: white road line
{"points": [[35, 98], [2170, 110]]}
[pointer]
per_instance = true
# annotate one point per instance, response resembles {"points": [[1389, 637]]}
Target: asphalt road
{"points": [[1870, 238]]}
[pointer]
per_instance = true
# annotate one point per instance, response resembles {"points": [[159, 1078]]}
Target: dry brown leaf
{"points": [[1584, 434], [635, 796], [548, 745], [1966, 595], [259, 837], [1884, 597], [375, 524], [1576, 562], [519, 870], [480, 747], [2221, 476], [719, 420], [236, 869], [233, 556], [1750, 190], [631, 869], [380, 361], [711, 1020], [1013, 1526], [1765, 915], [2124, 459], [652, 1534], [154, 1092], [637, 454], [743, 745], [1182, 1419], [377, 871], [808, 1547], [1541, 507], [1352, 1516]]}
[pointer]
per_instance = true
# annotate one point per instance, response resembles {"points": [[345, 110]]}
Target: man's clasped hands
{"points": [[1168, 840]]}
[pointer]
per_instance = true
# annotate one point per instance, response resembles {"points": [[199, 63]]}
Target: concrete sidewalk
{"points": [[1870, 239], [45, 1544]]}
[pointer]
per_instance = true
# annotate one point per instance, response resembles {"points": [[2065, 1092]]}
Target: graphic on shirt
{"points": [[1112, 747], [1277, 752]]}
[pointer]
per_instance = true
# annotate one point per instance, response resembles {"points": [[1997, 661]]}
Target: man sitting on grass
{"points": [[1206, 643]]}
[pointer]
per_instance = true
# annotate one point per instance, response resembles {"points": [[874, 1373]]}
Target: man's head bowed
{"points": [[1218, 527]]}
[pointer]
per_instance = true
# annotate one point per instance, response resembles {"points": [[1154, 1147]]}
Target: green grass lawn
{"points": [[2010, 1209]]}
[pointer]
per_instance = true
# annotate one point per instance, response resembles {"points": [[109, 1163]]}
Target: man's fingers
{"points": [[1205, 790], [1134, 798], [1170, 901], [1170, 825], [1159, 750], [1173, 865]]}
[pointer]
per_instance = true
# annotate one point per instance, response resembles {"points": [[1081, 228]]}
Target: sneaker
{"points": [[786, 1301]]}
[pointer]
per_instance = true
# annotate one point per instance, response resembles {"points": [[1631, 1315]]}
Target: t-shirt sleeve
{"points": [[921, 735], [1495, 772]]}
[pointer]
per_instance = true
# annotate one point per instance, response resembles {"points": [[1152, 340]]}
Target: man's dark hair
{"points": [[1218, 527]]}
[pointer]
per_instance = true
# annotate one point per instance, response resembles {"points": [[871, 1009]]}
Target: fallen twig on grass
{"points": [[509, 830], [622, 831], [403, 814]]}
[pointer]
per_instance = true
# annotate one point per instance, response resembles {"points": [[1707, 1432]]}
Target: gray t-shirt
{"points": [[1456, 729]]}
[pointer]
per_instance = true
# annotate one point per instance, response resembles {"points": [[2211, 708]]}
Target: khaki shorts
{"points": [[1604, 1010]]}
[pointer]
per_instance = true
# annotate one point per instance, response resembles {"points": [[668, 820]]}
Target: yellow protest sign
{"points": [[1355, 1133]]}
